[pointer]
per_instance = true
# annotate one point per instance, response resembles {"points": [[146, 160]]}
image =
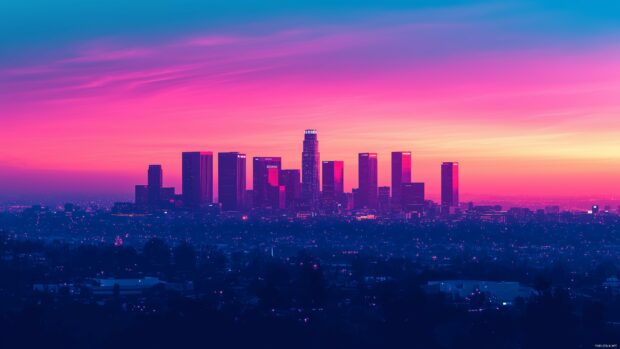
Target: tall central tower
{"points": [[310, 161]]}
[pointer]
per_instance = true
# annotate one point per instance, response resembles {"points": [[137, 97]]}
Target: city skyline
{"points": [[399, 161], [276, 187], [311, 190], [280, 188]]}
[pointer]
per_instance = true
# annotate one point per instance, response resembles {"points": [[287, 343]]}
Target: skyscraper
{"points": [[412, 196], [266, 181], [142, 196], [310, 160], [281, 197], [383, 199], [167, 197], [155, 182], [357, 198], [197, 178], [401, 173], [368, 181], [291, 180], [333, 179], [231, 180], [449, 186]]}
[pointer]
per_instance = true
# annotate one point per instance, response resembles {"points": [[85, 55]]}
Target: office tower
{"points": [[412, 196], [266, 181], [367, 174], [231, 181], [310, 159], [449, 186], [356, 198], [167, 195], [401, 173], [291, 180], [248, 198], [275, 191], [349, 200], [281, 199], [155, 181], [333, 179], [383, 198], [197, 168], [142, 196]]}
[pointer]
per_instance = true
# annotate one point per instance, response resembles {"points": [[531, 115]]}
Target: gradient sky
{"points": [[524, 94]]}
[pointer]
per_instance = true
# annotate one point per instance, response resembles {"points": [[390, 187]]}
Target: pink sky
{"points": [[539, 121]]}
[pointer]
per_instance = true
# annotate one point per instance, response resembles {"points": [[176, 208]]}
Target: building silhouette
{"points": [[367, 174], [333, 179], [383, 199], [142, 196], [310, 161], [412, 198], [266, 181], [231, 185], [167, 197], [401, 173], [449, 187], [155, 183], [291, 181], [197, 178]]}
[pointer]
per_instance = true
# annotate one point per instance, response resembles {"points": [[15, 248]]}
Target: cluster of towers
{"points": [[277, 188]]}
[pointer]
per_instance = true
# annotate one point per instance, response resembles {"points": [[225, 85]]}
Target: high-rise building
{"points": [[291, 180], [281, 198], [412, 196], [368, 180], [401, 173], [356, 198], [266, 181], [142, 196], [333, 179], [231, 180], [349, 200], [248, 198], [310, 160], [167, 196], [155, 183], [449, 186], [197, 178], [383, 198]]}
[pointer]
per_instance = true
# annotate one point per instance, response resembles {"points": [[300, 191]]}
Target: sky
{"points": [[525, 95]]}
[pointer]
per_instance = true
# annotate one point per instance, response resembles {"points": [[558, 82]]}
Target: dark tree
{"points": [[156, 254], [185, 257]]}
